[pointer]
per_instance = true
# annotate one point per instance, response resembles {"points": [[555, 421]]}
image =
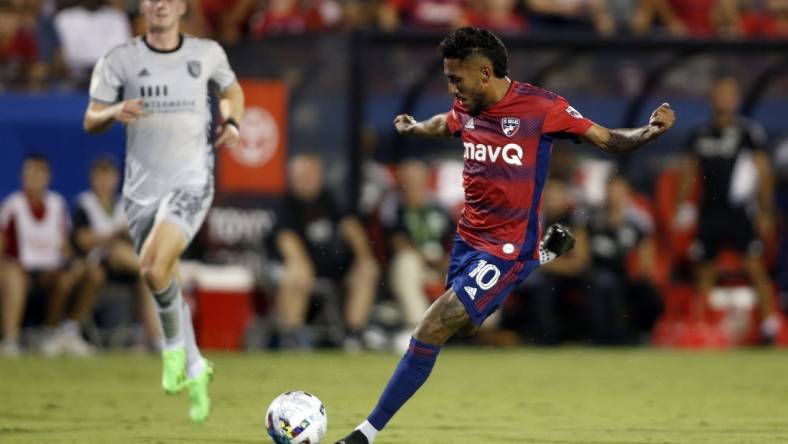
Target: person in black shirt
{"points": [[317, 240], [616, 230], [727, 156]]}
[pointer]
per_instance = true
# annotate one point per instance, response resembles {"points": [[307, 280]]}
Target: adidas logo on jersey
{"points": [[469, 124], [471, 291], [144, 73]]}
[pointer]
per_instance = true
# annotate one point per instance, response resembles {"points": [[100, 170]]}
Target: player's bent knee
{"points": [[156, 277]]}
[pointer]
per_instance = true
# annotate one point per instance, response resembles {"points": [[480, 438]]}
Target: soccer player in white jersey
{"points": [[158, 86]]}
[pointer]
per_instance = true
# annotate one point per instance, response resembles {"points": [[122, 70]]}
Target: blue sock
{"points": [[412, 371]]}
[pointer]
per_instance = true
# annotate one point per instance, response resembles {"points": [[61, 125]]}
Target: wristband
{"points": [[232, 122]]}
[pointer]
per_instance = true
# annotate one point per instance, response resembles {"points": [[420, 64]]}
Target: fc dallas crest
{"points": [[510, 125]]}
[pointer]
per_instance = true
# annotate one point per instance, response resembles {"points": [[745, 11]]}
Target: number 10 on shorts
{"points": [[486, 274]]}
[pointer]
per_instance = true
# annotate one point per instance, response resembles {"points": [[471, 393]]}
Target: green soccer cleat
{"points": [[198, 393], [173, 372]]}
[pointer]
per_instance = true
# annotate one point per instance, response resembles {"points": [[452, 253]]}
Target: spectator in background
{"points": [[358, 14], [550, 293], [34, 224], [765, 18], [285, 17], [726, 155], [50, 57], [420, 233], [500, 16], [622, 300], [101, 238], [682, 18], [781, 166], [227, 20], [623, 13], [421, 14], [19, 65], [88, 30], [316, 240], [571, 15]]}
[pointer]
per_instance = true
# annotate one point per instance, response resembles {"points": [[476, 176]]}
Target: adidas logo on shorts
{"points": [[471, 291]]}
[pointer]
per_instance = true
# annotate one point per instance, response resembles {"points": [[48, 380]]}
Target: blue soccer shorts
{"points": [[483, 281]]}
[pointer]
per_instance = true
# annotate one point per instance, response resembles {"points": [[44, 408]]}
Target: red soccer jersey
{"points": [[507, 152]]}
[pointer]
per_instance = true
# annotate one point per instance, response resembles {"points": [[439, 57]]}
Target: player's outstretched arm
{"points": [[436, 126], [620, 140], [99, 117]]}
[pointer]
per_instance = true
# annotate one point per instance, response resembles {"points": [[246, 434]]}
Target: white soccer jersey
{"points": [[170, 147]]}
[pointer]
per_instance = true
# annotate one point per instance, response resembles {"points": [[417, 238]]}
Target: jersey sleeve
{"points": [[562, 119], [454, 121], [222, 74], [106, 82]]}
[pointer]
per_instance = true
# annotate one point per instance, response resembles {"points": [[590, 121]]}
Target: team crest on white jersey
{"points": [[573, 112], [194, 67], [510, 125], [469, 125]]}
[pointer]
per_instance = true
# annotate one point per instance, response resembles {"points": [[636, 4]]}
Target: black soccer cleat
{"points": [[356, 437], [558, 239]]}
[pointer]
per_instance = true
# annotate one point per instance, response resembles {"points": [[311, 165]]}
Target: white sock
{"points": [[69, 327], [168, 305], [195, 364], [368, 430]]}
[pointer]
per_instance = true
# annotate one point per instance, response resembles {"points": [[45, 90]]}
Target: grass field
{"points": [[474, 396]]}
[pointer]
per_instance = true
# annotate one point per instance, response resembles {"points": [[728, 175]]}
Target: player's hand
{"points": [[558, 239], [227, 135], [662, 119], [404, 123], [128, 111]]}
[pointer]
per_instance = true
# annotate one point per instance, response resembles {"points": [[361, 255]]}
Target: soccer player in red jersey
{"points": [[507, 129]]}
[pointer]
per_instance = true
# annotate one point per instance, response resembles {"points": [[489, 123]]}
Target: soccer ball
{"points": [[296, 418]]}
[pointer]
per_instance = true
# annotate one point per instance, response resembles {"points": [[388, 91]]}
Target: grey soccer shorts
{"points": [[185, 207]]}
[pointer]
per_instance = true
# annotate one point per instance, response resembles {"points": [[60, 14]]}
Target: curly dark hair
{"points": [[463, 42]]}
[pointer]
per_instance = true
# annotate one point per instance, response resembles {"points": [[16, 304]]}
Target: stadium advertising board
{"points": [[257, 164]]}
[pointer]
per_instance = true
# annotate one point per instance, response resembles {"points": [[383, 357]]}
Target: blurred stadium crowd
{"points": [[656, 264], [52, 42]]}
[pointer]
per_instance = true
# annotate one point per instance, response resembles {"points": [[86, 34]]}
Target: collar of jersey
{"points": [[161, 51]]}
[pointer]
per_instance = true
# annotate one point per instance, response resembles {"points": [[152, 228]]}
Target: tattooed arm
{"points": [[618, 141], [436, 126]]}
